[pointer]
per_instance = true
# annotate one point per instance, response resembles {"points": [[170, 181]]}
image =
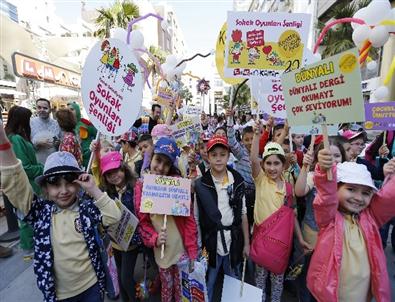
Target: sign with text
{"points": [[166, 195], [112, 87], [380, 116], [35, 69], [192, 111], [328, 91], [122, 232], [187, 132], [264, 44]]}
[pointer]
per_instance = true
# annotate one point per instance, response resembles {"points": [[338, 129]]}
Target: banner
{"points": [[380, 116], [328, 91], [122, 232], [112, 87], [187, 132], [166, 195], [314, 130], [264, 44]]}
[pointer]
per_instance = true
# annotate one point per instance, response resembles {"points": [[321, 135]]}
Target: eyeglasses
{"points": [[55, 179]]}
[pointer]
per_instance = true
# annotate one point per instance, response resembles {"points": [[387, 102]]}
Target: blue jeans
{"points": [[92, 294], [212, 273]]}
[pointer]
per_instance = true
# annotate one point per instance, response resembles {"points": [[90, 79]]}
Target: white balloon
{"points": [[164, 24], [118, 33], [376, 11], [391, 16], [372, 65], [360, 14], [360, 34], [165, 68], [381, 93], [170, 74], [379, 36], [171, 60], [136, 39]]}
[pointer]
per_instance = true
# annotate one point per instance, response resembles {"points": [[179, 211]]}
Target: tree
{"points": [[118, 15], [185, 94], [160, 55], [339, 37]]}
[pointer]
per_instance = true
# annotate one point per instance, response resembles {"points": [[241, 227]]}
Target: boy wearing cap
{"points": [[348, 263], [221, 213], [67, 260]]}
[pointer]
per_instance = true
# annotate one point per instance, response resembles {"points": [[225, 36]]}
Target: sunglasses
{"points": [[55, 179]]}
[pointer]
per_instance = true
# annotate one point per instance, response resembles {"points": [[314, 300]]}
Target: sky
{"points": [[200, 20]]}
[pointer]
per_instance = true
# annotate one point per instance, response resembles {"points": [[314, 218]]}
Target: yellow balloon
{"points": [[220, 57]]}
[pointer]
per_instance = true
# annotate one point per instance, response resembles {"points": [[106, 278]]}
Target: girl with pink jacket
{"points": [[348, 263]]}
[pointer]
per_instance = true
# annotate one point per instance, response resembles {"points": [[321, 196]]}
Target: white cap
{"points": [[353, 173]]}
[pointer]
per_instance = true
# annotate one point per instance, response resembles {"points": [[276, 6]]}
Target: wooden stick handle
{"points": [[326, 146], [242, 277], [384, 138], [162, 251]]}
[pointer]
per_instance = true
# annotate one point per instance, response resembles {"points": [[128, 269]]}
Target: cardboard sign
{"points": [[112, 87], [328, 91], [122, 232], [314, 130], [164, 96], [187, 132], [264, 44], [192, 111], [166, 195], [231, 291], [220, 57], [380, 116]]}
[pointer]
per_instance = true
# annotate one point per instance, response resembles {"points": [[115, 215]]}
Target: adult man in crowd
{"points": [[145, 123], [45, 131]]}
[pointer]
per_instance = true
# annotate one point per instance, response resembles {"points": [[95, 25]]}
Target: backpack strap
{"points": [[289, 199]]}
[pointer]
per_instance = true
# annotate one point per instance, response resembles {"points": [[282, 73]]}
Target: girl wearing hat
{"points": [[67, 259], [348, 263], [272, 192], [180, 236], [118, 181]]}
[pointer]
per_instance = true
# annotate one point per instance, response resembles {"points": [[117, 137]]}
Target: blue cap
{"points": [[168, 147]]}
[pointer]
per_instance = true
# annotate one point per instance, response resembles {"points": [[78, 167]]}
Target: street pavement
{"points": [[18, 283]]}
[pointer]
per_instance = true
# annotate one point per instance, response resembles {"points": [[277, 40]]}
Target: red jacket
{"points": [[186, 226], [323, 275]]}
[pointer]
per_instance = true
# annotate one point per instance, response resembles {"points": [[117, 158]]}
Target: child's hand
{"points": [[307, 248], [389, 168], [292, 159], [325, 159], [94, 146], [257, 127], [88, 184], [308, 159], [384, 151], [162, 237], [270, 123]]}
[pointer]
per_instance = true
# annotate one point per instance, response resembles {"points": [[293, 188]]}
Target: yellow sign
{"points": [[220, 57]]}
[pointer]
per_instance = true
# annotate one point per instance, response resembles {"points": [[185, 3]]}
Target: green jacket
{"points": [[24, 151]]}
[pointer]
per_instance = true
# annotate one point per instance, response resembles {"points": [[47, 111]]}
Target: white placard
{"points": [[231, 291]]}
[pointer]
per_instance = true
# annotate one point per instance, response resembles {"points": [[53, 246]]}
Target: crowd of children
{"points": [[261, 197]]}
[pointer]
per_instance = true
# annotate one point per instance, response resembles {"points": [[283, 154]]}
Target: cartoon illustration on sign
{"points": [[105, 48], [253, 54], [128, 79], [318, 118], [113, 63], [237, 47]]}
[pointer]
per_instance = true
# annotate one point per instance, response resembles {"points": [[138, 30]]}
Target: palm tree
{"points": [[339, 37], [118, 15], [160, 55]]}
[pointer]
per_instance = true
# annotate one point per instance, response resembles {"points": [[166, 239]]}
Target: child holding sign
{"points": [[118, 181], [180, 235], [348, 263], [222, 213]]}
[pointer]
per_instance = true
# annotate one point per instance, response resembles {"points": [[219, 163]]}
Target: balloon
{"points": [[164, 25], [170, 74], [360, 34], [136, 39], [381, 93], [360, 14], [180, 69], [375, 11], [379, 36], [165, 68], [372, 65], [171, 60], [118, 33]]}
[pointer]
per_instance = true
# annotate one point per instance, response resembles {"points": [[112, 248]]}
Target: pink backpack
{"points": [[271, 244]]}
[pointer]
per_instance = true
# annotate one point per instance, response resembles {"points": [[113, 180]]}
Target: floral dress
{"points": [[70, 144]]}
